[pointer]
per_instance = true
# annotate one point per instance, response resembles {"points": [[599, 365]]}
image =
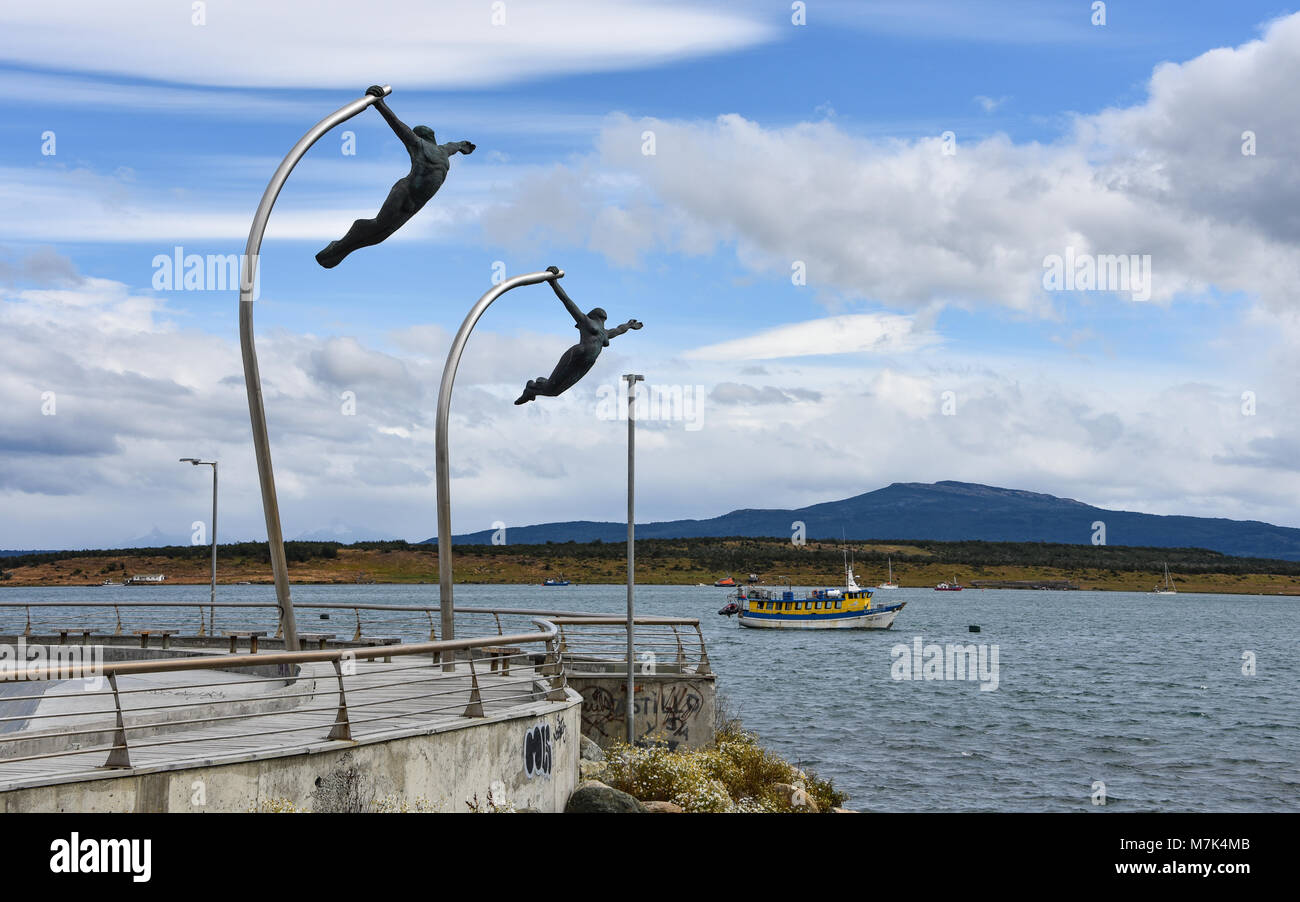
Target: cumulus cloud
{"points": [[906, 224], [135, 391]]}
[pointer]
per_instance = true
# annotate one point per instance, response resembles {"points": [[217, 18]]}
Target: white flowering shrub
{"points": [[737, 774]]}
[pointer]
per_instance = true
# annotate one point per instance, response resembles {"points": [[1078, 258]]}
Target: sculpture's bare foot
{"points": [[528, 394], [328, 258]]}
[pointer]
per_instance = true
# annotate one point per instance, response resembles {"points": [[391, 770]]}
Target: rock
{"points": [[663, 808], [591, 770], [594, 797], [843, 811], [591, 751], [797, 797]]}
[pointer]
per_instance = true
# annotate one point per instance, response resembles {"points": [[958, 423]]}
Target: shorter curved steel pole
{"points": [[445, 604], [253, 379]]}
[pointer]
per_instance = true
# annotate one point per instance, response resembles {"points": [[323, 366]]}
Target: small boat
{"points": [[726, 583], [847, 608], [889, 583], [730, 609], [556, 582], [953, 586], [1167, 588], [109, 582]]}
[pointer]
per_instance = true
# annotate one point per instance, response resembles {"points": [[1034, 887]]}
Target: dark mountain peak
{"points": [[950, 511]]}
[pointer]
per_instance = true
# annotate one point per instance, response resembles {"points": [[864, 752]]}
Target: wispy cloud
{"points": [[849, 334], [334, 43]]}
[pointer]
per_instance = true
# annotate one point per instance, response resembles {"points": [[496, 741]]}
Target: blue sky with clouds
{"points": [[776, 144]]}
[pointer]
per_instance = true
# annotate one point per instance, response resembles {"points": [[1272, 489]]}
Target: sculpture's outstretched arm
{"points": [[453, 147], [398, 126], [619, 330], [578, 316]]}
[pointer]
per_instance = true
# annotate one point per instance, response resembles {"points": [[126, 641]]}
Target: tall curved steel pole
{"points": [[253, 380], [446, 607]]}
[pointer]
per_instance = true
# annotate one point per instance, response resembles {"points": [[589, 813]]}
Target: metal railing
{"points": [[329, 694], [662, 644], [348, 621]]}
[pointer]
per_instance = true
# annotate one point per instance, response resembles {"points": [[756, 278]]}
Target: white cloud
{"points": [[333, 43], [904, 224]]}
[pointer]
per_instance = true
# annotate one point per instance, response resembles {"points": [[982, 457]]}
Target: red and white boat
{"points": [[953, 586]]}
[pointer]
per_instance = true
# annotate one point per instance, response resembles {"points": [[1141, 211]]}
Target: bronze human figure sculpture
{"points": [[429, 164], [581, 357]]}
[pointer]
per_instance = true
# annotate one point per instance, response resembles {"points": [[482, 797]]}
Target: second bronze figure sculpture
{"points": [[430, 162], [581, 357]]}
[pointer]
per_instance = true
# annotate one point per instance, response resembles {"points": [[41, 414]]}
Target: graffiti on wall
{"points": [[663, 711], [538, 752]]}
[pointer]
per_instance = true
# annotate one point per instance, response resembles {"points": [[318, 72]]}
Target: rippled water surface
{"points": [[1142, 692]]}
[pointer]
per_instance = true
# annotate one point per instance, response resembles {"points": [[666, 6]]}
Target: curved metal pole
{"points": [[253, 379], [445, 605]]}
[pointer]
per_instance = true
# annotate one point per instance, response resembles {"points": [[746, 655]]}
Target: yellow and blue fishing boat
{"points": [[821, 609]]}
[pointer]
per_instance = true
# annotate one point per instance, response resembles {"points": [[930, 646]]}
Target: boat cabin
{"points": [[819, 601]]}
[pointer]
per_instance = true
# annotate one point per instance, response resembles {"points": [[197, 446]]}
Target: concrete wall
{"points": [[675, 708], [533, 755]]}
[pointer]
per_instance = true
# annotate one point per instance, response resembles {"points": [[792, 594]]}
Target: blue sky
{"points": [[777, 143]]}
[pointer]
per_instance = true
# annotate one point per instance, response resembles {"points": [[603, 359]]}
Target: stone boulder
{"points": [[591, 751], [663, 808], [594, 797], [797, 797]]}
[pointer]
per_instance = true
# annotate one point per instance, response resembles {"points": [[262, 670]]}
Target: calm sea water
{"points": [[1144, 693]]}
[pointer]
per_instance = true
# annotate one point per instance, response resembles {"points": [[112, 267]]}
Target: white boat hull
{"points": [[867, 620]]}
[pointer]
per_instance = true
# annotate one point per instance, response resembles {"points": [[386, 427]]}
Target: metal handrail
{"points": [[424, 693], [547, 631]]}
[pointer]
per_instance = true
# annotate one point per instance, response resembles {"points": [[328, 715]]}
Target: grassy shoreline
{"points": [[675, 562]]}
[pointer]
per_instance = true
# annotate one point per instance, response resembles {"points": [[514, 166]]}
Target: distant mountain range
{"points": [[943, 511], [345, 533]]}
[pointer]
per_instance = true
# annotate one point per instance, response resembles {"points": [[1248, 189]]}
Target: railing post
{"points": [[27, 630], [703, 667], [118, 612], [119, 755], [554, 668], [357, 636], [433, 633], [475, 706], [342, 728]]}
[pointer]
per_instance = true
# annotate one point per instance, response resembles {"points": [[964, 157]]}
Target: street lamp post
{"points": [[213, 464], [632, 380]]}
